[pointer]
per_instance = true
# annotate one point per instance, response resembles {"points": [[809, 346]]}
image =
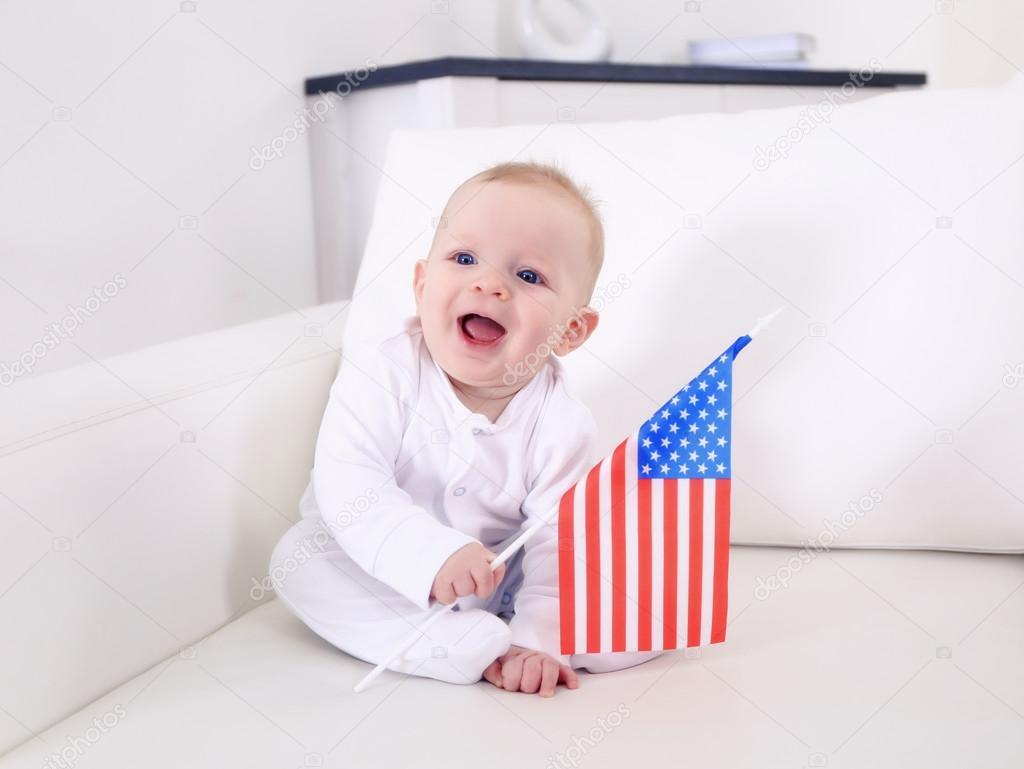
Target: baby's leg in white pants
{"points": [[606, 663], [362, 616]]}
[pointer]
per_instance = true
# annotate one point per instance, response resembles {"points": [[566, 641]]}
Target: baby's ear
{"points": [[581, 325], [418, 276]]}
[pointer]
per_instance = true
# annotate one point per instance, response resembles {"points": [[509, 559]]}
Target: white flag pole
{"points": [[441, 609], [507, 553], [763, 321]]}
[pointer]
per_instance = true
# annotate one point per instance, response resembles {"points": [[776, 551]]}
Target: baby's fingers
{"points": [[568, 676], [493, 673], [483, 578]]}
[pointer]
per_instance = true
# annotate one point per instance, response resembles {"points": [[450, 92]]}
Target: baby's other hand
{"points": [[467, 571], [526, 670]]}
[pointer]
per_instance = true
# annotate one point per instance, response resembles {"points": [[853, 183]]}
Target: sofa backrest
{"points": [[881, 409]]}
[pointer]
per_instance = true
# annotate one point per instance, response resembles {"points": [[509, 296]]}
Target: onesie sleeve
{"points": [[566, 439], [374, 520]]}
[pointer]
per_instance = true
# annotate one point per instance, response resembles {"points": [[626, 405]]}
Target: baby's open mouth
{"points": [[480, 329]]}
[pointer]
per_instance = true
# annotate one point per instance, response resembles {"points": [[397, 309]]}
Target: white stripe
{"points": [[683, 559], [632, 513], [657, 564], [605, 484], [579, 527], [708, 585]]}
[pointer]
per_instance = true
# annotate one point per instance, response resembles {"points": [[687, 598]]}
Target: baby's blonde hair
{"points": [[532, 172]]}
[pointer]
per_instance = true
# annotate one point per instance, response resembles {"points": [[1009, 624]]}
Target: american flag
{"points": [[643, 539]]}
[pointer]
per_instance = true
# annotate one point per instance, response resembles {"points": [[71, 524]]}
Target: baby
{"points": [[440, 444]]}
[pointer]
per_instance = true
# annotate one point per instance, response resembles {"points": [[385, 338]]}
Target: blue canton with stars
{"points": [[690, 436]]}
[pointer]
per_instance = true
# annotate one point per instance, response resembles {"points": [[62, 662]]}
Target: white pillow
{"points": [[873, 412]]}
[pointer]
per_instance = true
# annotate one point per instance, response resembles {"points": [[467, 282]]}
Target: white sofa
{"points": [[140, 496]]}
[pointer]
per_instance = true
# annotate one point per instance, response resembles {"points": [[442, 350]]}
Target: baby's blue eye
{"points": [[470, 257], [530, 276]]}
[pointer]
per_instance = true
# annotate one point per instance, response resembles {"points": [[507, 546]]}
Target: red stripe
{"points": [[671, 490], [593, 561], [696, 564], [619, 548], [566, 573], [721, 587], [644, 563]]}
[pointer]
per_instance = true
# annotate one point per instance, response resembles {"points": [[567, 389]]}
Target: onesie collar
{"points": [[513, 408]]}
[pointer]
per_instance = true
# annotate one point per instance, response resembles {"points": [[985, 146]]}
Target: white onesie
{"points": [[404, 475]]}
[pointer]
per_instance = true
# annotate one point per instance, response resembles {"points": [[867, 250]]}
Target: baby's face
{"points": [[519, 256]]}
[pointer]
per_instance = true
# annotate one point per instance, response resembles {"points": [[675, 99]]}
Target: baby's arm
{"points": [[375, 521]]}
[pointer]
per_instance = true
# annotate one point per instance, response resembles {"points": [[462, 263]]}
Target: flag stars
{"points": [[673, 428], [702, 468], [712, 456], [646, 442], [722, 413], [693, 456], [703, 414], [684, 442], [721, 440], [693, 427], [684, 414], [646, 469], [712, 427], [675, 400], [702, 385], [654, 427], [665, 442], [693, 400], [712, 371], [684, 469], [723, 359], [674, 456], [712, 399], [664, 413], [720, 468], [703, 442], [722, 384], [664, 469]]}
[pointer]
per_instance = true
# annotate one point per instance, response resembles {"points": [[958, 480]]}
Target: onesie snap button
{"points": [[460, 491], [477, 431]]}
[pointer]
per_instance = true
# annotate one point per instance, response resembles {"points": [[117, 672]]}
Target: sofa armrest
{"points": [[141, 496]]}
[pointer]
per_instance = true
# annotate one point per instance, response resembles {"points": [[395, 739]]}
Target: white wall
{"points": [[126, 131]]}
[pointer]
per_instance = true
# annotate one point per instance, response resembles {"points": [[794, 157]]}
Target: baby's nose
{"points": [[491, 284]]}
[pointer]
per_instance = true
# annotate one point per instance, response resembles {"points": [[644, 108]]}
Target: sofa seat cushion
{"points": [[863, 657]]}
